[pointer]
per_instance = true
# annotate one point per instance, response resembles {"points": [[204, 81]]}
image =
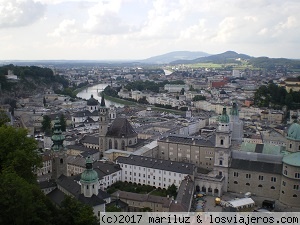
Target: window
{"points": [[290, 145], [248, 175], [297, 175], [110, 144], [273, 179], [273, 188], [221, 162], [221, 142], [235, 182], [285, 172], [260, 177], [247, 184], [296, 186], [153, 177], [220, 173], [283, 183], [260, 185], [235, 174], [295, 196]]}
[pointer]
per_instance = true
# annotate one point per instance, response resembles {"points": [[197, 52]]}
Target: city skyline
{"points": [[139, 29]]}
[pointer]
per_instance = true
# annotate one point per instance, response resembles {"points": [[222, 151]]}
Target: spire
{"points": [[89, 175], [57, 136], [234, 111], [102, 100]]}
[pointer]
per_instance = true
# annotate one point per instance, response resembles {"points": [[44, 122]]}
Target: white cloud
{"points": [[66, 27], [16, 13]]}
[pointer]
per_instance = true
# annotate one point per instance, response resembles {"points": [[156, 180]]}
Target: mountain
{"points": [[172, 56], [225, 57]]}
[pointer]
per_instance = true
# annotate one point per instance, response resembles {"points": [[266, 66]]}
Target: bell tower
{"points": [[59, 154], [103, 125], [89, 179]]}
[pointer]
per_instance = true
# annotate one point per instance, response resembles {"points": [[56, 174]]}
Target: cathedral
{"points": [[117, 136]]}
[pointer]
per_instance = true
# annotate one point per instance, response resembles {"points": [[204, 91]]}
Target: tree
{"points": [[143, 100], [112, 208], [22, 202], [74, 212], [3, 118], [172, 190], [18, 152], [63, 123], [46, 124]]}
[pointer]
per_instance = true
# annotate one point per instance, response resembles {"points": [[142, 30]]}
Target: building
{"points": [[155, 172], [118, 136], [236, 125]]}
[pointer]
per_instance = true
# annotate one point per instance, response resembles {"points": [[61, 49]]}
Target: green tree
{"points": [[3, 118], [74, 212], [289, 100], [146, 209], [22, 202], [143, 100], [112, 208], [46, 124], [63, 122], [172, 190], [18, 152]]}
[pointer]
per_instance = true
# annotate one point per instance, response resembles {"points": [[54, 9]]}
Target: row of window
{"points": [[295, 187], [149, 183], [149, 170], [294, 195], [260, 186], [297, 175], [260, 177], [292, 145]]}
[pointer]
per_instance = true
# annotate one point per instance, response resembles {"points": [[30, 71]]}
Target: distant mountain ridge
{"points": [[173, 56], [225, 57]]}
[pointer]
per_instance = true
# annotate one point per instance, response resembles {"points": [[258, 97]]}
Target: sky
{"points": [[139, 29]]}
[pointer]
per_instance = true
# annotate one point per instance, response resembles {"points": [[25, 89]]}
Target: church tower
{"points": [[89, 180], [236, 125], [59, 154], [103, 125], [222, 150], [223, 133]]}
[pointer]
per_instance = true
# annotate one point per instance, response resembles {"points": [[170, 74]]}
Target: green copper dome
{"points": [[89, 175], [292, 159], [224, 118], [294, 131]]}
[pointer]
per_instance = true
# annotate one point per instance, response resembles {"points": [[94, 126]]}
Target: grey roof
{"points": [[86, 113], [70, 184], [143, 197], [198, 141], [56, 196], [121, 127], [184, 197], [47, 184], [256, 166], [90, 140], [168, 165]]}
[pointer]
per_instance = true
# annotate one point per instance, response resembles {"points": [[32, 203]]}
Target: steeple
{"points": [[102, 104], [224, 118], [57, 137], [59, 155], [234, 111]]}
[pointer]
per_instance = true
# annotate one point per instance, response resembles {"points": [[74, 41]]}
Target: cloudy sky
{"points": [[138, 29]]}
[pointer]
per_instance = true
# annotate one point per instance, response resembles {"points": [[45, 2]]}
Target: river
{"points": [[94, 90]]}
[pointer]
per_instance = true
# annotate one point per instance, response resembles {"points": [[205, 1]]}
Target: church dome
{"points": [[294, 132], [92, 101], [224, 118], [292, 159], [89, 175]]}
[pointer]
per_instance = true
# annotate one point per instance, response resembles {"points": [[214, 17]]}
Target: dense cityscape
{"points": [[148, 106], [166, 138]]}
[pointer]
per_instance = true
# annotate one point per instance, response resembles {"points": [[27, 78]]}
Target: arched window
{"points": [[116, 144], [247, 184], [130, 142], [295, 196], [235, 182], [110, 144], [260, 185], [273, 188], [123, 145], [221, 142], [61, 161]]}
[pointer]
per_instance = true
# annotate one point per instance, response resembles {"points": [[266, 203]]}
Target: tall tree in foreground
{"points": [[46, 124]]}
